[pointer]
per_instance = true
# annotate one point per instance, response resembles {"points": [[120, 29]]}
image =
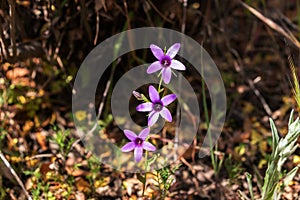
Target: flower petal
{"points": [[166, 75], [144, 133], [177, 65], [148, 146], [138, 153], [128, 147], [173, 50], [153, 117], [130, 135], [144, 107], [154, 67], [168, 99], [153, 94], [157, 51], [165, 113]]}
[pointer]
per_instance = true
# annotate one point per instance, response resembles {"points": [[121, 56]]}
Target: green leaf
{"points": [[243, 195], [175, 168], [275, 137], [249, 181], [152, 159], [290, 175], [291, 119]]}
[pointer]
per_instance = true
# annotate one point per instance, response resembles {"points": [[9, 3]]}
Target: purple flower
{"points": [[165, 61], [137, 143], [157, 106]]}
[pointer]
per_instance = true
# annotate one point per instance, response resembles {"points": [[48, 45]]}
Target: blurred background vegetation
{"points": [[43, 44]]}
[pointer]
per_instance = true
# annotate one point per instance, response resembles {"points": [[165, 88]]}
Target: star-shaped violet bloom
{"points": [[157, 106], [137, 143], [165, 61]]}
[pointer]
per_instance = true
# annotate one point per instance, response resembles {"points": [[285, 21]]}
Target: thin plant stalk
{"points": [[214, 158], [249, 182], [146, 169]]}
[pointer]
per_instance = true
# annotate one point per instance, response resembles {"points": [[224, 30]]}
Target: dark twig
{"points": [[260, 97], [159, 13], [3, 46], [12, 5], [84, 20], [127, 14], [97, 27], [56, 51], [48, 155], [238, 67], [185, 2]]}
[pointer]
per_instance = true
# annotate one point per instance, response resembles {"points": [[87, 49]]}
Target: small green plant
{"points": [[233, 168], [61, 138], [39, 188], [164, 179], [94, 168], [249, 182], [3, 135], [275, 180], [215, 159], [282, 148]]}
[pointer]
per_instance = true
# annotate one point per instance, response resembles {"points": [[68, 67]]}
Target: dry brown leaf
{"points": [[130, 183], [102, 182], [41, 139], [5, 66], [29, 184], [23, 81], [79, 196], [31, 162], [82, 185], [25, 3], [256, 137], [76, 172], [45, 168], [70, 168], [27, 126], [16, 73]]}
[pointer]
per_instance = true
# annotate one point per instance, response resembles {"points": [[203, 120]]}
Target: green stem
{"points": [[159, 86], [207, 124], [213, 158], [144, 184], [146, 169]]}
